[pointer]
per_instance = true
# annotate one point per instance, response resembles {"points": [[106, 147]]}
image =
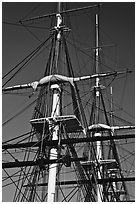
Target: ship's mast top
{"points": [[97, 55], [59, 7], [58, 15]]}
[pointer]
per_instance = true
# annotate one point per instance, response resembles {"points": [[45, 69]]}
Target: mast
{"points": [[111, 106], [97, 87], [55, 112]]}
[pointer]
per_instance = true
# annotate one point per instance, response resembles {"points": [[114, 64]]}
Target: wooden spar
{"points": [[67, 141], [61, 12], [58, 79], [39, 162], [74, 182]]}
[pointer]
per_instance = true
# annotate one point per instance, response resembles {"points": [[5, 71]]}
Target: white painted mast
{"points": [[55, 112], [97, 86]]}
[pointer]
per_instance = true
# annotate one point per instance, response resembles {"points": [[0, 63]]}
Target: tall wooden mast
{"points": [[55, 112], [97, 87]]}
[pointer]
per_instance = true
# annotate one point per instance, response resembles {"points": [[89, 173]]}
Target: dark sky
{"points": [[117, 21]]}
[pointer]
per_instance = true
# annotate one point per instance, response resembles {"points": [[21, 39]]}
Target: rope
{"points": [[28, 56], [20, 136], [20, 112]]}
